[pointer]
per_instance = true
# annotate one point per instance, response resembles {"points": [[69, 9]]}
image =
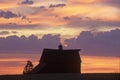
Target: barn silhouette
{"points": [[58, 61]]}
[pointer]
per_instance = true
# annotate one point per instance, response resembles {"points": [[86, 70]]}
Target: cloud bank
{"points": [[76, 21], [27, 2], [18, 27], [115, 3], [7, 14], [101, 44], [4, 32], [57, 5], [32, 43], [106, 43]]}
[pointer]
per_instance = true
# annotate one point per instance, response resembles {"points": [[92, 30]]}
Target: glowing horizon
{"points": [[90, 64]]}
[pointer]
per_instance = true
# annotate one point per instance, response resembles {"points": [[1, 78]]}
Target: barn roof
{"points": [[60, 55]]}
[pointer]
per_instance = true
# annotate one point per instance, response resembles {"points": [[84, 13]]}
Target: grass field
{"points": [[94, 76]]}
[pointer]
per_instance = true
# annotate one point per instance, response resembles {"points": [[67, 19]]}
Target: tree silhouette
{"points": [[28, 67]]}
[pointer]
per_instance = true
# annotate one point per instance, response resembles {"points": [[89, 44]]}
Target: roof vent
{"points": [[60, 47]]}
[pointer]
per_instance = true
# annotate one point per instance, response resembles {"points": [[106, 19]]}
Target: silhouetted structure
{"points": [[58, 61]]}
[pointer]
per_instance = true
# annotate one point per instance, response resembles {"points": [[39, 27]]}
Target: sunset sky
{"points": [[28, 26]]}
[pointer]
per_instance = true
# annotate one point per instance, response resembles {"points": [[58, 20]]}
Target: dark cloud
{"points": [[27, 2], [42, 7], [88, 22], [66, 18], [32, 43], [115, 3], [104, 44], [7, 14], [25, 18], [16, 26], [57, 5], [14, 32], [100, 44], [4, 32]]}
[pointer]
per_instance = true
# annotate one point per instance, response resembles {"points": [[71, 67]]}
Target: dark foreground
{"points": [[101, 76]]}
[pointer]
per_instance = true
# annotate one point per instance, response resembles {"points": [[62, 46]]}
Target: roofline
{"points": [[64, 49]]}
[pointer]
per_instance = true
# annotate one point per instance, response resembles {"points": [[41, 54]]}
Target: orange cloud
{"points": [[77, 2], [8, 4], [54, 17], [89, 10]]}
